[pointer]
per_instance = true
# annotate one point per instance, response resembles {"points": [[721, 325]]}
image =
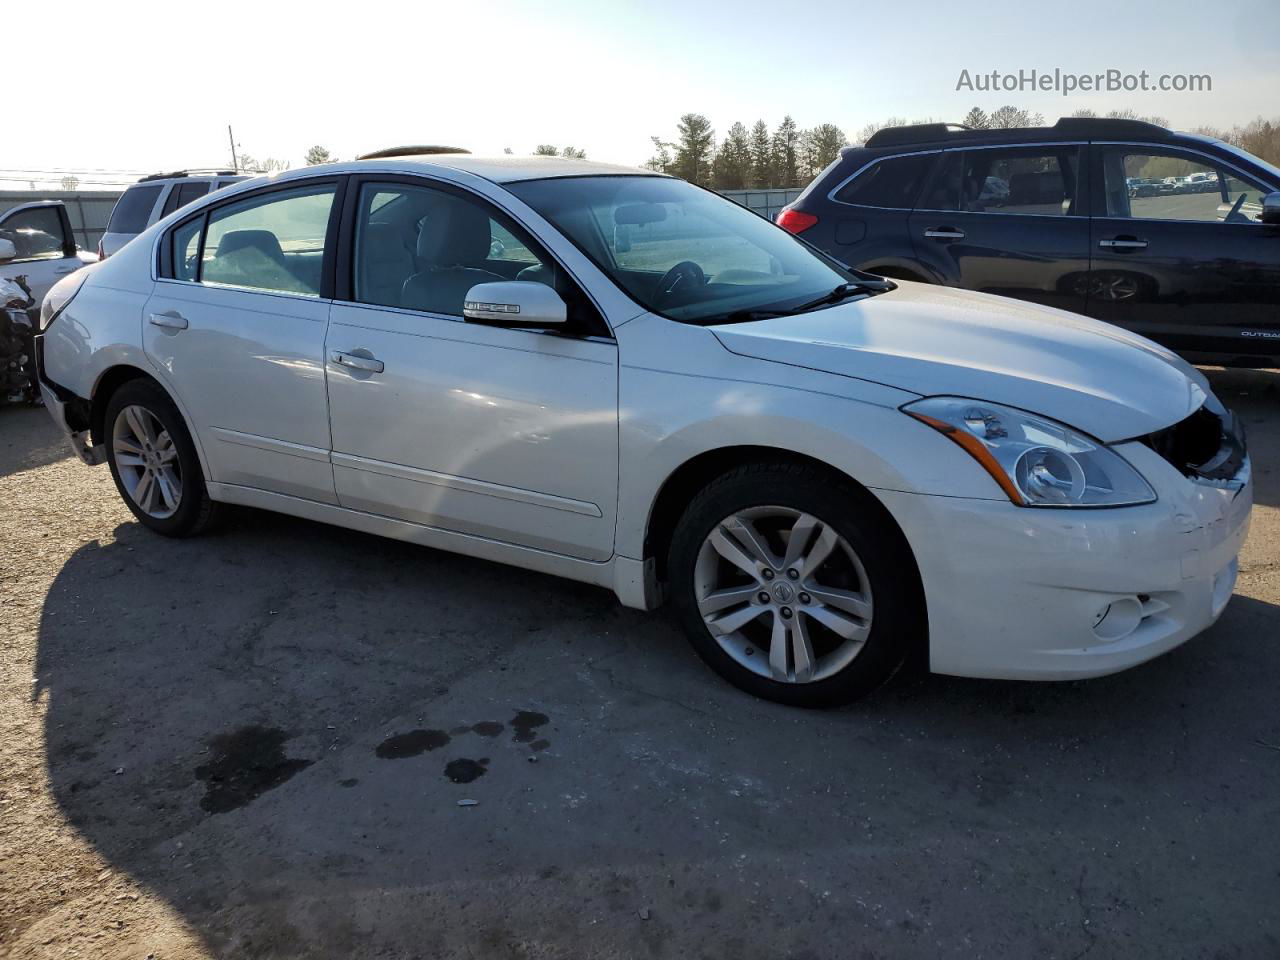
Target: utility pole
{"points": [[235, 164]]}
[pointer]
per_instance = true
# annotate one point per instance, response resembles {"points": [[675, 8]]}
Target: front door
{"points": [[237, 333], [1190, 265], [46, 250], [1009, 221], [507, 434]]}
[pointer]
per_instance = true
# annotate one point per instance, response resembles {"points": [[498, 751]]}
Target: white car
{"points": [[37, 242], [155, 197], [824, 472]]}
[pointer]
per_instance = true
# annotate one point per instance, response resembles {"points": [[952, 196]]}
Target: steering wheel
{"points": [[682, 276], [1233, 216]]}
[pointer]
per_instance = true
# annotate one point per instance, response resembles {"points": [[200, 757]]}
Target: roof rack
{"points": [[412, 151], [1071, 126], [193, 172]]}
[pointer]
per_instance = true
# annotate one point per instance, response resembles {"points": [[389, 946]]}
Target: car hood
{"points": [[1110, 383]]}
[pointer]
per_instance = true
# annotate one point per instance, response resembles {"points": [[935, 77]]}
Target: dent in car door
{"points": [[506, 434]]}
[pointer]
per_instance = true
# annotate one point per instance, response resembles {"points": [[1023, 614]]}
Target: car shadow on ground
{"points": [[29, 439], [271, 728]]}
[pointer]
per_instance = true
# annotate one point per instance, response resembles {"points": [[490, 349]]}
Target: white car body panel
{"points": [[549, 452], [41, 273]]}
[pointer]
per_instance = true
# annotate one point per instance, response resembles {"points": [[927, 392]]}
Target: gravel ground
{"points": [[255, 744]]}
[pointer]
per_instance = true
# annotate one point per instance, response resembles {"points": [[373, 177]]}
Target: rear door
{"points": [[236, 328], [41, 235], [1009, 221], [1193, 268]]}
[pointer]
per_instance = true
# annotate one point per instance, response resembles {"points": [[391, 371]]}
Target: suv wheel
{"points": [[793, 587], [153, 461]]}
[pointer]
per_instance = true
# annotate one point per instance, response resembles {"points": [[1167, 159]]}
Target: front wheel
{"points": [[795, 585], [153, 461]]}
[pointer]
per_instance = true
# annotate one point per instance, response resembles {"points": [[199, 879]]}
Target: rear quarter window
{"points": [[133, 209], [893, 182]]}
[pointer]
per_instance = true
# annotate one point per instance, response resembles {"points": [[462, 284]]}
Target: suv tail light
{"points": [[795, 221]]}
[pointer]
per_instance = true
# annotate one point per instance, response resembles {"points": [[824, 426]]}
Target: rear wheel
{"points": [[153, 461], [795, 585]]}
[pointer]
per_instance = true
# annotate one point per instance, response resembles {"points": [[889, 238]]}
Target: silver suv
{"points": [[155, 197]]}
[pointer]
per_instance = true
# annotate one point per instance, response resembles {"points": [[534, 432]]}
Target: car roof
{"points": [[508, 169], [931, 135]]}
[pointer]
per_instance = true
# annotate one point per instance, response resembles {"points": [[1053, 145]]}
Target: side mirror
{"points": [[9, 252], [1271, 207], [515, 303]]}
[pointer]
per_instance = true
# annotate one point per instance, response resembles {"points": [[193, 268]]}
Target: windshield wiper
{"points": [[842, 292]]}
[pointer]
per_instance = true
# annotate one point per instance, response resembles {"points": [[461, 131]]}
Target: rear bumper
{"points": [[56, 401], [1034, 594]]}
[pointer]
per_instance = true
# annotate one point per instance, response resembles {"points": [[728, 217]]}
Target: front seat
{"points": [[453, 237], [385, 263]]}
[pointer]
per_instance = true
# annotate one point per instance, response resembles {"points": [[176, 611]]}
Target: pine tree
{"points": [[694, 146], [977, 119], [317, 154], [661, 161], [786, 148], [733, 161], [761, 156], [824, 143]]}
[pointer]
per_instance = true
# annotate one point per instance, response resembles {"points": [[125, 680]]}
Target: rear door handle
{"points": [[367, 364], [172, 320], [944, 233], [1123, 243]]}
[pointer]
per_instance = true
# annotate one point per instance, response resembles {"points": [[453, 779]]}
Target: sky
{"points": [[139, 86]]}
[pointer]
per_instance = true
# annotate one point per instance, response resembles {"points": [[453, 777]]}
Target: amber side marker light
{"points": [[973, 446]]}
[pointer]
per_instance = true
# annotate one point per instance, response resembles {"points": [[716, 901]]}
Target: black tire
{"points": [[898, 626], [195, 511]]}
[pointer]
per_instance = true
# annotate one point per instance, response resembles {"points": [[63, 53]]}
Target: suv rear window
{"points": [[133, 209], [893, 182]]}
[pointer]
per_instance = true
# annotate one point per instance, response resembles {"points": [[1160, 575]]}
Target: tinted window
{"points": [[1014, 181], [890, 183], [1158, 185], [134, 209], [274, 242], [423, 249], [183, 193], [679, 250], [35, 234]]}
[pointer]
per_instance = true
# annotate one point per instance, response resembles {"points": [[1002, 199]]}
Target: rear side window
{"points": [[1020, 180], [893, 182], [184, 193], [133, 209], [274, 242]]}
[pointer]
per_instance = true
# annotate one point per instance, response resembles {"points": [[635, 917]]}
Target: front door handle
{"points": [[367, 364], [944, 233], [171, 320], [1122, 243]]}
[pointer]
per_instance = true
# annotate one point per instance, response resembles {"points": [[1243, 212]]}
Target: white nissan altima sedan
{"points": [[620, 378]]}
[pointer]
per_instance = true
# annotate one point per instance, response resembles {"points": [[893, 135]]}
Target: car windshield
{"points": [[681, 251], [1243, 154]]}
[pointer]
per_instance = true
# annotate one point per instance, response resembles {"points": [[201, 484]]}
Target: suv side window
{"points": [[180, 194], [1025, 181], [892, 183], [275, 241], [36, 234], [421, 248], [1146, 183]]}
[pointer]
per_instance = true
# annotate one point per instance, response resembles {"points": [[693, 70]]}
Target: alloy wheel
{"points": [[147, 461], [783, 593]]}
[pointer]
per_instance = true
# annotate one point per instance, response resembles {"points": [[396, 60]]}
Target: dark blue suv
{"points": [[1172, 235]]}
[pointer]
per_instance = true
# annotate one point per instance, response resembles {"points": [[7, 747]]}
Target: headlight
{"points": [[1037, 462]]}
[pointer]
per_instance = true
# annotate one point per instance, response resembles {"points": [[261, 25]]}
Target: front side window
{"points": [[890, 183], [1021, 181], [36, 234], [1152, 184], [681, 251], [273, 242], [420, 248], [133, 209]]}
